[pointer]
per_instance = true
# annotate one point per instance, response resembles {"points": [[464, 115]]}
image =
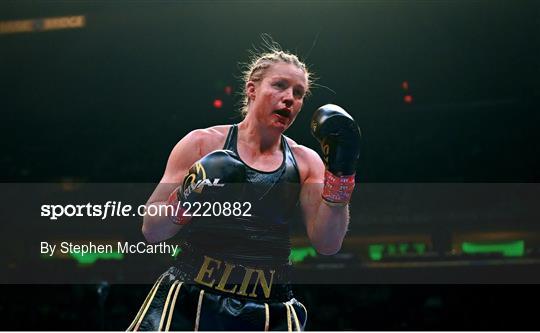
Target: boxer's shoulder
{"points": [[218, 131], [192, 147], [208, 139], [309, 162]]}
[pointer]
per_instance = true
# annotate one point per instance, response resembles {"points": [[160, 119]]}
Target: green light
{"points": [[376, 252], [420, 248], [403, 247], [391, 249], [299, 254], [90, 258], [507, 249]]}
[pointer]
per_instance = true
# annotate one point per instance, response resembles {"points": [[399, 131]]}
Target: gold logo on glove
{"points": [[325, 150], [196, 172], [196, 180]]}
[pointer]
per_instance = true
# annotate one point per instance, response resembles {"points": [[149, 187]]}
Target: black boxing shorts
{"points": [[175, 304]]}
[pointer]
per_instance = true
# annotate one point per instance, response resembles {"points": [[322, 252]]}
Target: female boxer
{"points": [[233, 272]]}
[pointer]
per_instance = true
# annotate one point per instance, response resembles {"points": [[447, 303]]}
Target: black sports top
{"points": [[275, 196], [287, 171], [260, 241]]}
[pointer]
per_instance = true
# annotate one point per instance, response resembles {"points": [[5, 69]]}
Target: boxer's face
{"points": [[278, 97]]}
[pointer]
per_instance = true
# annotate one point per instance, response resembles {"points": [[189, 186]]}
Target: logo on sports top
{"points": [[196, 180]]}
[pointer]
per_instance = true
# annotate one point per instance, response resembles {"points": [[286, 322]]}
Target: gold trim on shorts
{"points": [[173, 304], [266, 317], [199, 307], [146, 304]]}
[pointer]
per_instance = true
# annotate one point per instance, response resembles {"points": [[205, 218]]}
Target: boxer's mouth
{"points": [[283, 112]]}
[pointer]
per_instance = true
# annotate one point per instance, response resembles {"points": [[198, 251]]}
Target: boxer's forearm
{"points": [[160, 227], [329, 228], [339, 136]]}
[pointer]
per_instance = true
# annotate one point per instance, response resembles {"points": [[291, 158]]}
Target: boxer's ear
{"points": [[251, 88]]}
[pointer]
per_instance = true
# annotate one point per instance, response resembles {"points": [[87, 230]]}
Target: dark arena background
{"points": [[444, 231]]}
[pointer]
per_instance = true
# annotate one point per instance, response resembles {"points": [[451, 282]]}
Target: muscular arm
{"points": [[326, 225], [186, 152]]}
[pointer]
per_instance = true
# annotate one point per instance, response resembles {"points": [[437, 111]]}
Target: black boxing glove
{"points": [[339, 136], [205, 181]]}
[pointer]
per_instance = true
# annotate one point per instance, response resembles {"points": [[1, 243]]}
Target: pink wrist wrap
{"points": [[337, 189]]}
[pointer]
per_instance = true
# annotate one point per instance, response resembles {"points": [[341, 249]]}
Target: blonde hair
{"points": [[262, 60]]}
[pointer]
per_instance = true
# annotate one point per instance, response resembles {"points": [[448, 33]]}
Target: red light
{"points": [[405, 85], [218, 103], [228, 90], [408, 99]]}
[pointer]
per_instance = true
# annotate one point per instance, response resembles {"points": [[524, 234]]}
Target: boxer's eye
{"points": [[280, 85]]}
